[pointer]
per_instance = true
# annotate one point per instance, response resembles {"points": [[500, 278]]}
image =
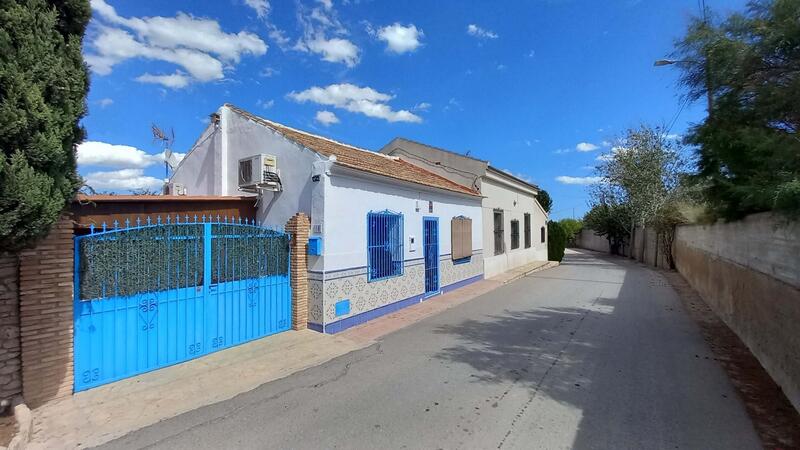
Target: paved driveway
{"points": [[596, 353]]}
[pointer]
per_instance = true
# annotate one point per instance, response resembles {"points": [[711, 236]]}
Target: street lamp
{"points": [[670, 62], [665, 62]]}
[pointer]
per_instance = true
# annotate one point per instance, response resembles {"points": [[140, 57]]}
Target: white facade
{"points": [[337, 199], [509, 195], [513, 201]]}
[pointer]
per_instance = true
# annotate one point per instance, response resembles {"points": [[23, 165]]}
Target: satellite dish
{"points": [[170, 159]]}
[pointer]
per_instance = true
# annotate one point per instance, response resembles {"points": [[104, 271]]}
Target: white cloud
{"points": [[532, 53], [269, 72], [674, 137], [266, 104], [474, 30], [578, 180], [326, 118], [606, 144], [335, 50], [197, 45], [322, 35], [104, 102], [261, 7], [610, 155], [424, 106], [103, 154], [453, 103], [95, 153], [122, 180], [586, 147], [561, 151], [327, 4], [175, 81], [400, 39], [501, 67], [364, 100]]}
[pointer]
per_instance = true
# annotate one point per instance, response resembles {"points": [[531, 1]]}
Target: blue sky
{"points": [[538, 87]]}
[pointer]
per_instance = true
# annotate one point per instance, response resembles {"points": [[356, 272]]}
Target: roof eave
{"points": [[344, 169]]}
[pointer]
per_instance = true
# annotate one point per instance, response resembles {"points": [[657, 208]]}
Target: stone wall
{"points": [[749, 274], [10, 375], [46, 315]]}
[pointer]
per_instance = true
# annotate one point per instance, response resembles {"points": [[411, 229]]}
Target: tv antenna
{"points": [[165, 141]]}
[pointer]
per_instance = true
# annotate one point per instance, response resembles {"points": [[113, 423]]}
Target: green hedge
{"points": [[556, 241]]}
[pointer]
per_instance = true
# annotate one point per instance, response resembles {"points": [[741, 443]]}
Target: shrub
{"points": [[556, 241]]}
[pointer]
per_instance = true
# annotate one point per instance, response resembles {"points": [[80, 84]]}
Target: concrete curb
{"points": [[24, 420], [548, 265]]}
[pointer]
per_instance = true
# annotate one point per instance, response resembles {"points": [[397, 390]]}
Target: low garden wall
{"points": [[749, 274]]}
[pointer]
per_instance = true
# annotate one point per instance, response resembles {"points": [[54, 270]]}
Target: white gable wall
{"points": [[197, 169], [212, 167]]}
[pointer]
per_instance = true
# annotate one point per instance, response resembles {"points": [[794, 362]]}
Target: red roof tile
{"points": [[360, 159]]}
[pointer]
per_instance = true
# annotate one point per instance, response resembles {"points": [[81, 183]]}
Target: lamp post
{"points": [[709, 95]]}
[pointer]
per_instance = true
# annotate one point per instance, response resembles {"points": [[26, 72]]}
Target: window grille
{"points": [[498, 233], [514, 234], [384, 245], [527, 230]]}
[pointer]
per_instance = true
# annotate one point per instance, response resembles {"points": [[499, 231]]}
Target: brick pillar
{"points": [[45, 304], [10, 375], [299, 227]]}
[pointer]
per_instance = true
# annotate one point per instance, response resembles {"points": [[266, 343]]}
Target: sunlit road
{"points": [[596, 353]]}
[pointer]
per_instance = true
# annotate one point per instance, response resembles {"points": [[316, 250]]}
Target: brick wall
{"points": [[10, 376], [299, 227], [45, 296]]}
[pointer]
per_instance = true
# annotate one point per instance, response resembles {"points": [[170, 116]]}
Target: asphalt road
{"points": [[596, 353]]}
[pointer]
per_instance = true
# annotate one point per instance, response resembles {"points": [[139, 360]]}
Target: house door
{"points": [[156, 294], [430, 242]]}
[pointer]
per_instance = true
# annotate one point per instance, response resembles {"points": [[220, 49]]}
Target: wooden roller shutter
{"points": [[461, 237]]}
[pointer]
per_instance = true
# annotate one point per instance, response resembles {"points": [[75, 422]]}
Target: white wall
{"points": [[348, 199], [514, 204], [196, 170], [212, 168]]}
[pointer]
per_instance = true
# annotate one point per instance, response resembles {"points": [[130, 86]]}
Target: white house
{"points": [[514, 223], [389, 233]]}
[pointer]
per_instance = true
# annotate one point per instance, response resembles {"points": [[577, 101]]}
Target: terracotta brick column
{"points": [[299, 227], [45, 304], [10, 376]]}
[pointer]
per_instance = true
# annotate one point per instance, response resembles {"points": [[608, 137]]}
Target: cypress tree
{"points": [[43, 87]]}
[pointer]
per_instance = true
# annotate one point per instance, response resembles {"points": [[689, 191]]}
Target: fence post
{"points": [[299, 227]]}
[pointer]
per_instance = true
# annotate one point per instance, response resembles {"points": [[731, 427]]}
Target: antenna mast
{"points": [[165, 142]]}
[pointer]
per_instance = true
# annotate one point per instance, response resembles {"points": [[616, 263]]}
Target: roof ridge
{"points": [[278, 124], [453, 152]]}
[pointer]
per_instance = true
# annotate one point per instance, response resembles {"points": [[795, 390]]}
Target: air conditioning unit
{"points": [[174, 189], [259, 172]]}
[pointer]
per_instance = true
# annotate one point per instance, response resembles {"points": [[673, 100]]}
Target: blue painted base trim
{"points": [[358, 319], [461, 283]]}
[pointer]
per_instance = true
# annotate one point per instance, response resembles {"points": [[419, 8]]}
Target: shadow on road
{"points": [[631, 364]]}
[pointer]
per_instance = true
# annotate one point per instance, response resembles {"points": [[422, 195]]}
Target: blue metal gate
{"points": [[430, 243], [156, 294]]}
